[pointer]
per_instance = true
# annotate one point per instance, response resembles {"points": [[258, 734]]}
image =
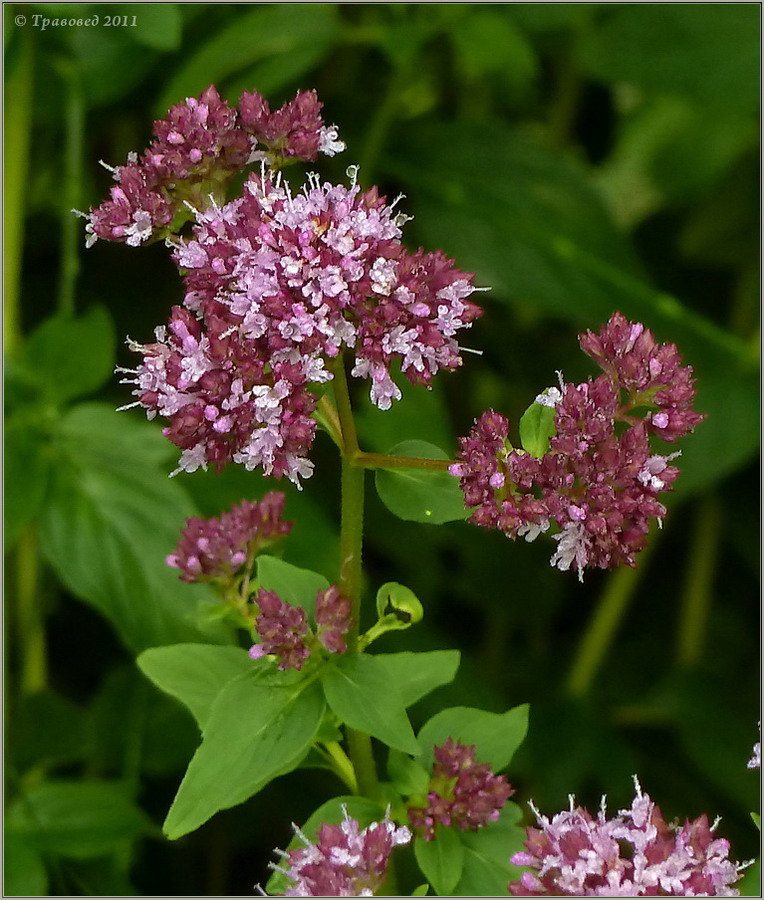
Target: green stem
{"points": [[31, 628], [603, 625], [71, 229], [384, 461], [340, 764], [19, 86], [351, 543], [698, 585]]}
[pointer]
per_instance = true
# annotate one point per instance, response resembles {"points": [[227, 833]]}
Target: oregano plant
{"points": [[295, 292]]}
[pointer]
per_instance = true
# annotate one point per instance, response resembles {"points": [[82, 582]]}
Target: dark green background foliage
{"points": [[579, 158]]}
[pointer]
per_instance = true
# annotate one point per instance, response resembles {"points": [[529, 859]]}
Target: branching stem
{"points": [[351, 543]]}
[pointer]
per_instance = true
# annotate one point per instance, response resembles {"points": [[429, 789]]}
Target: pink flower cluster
{"points": [[197, 149], [345, 861], [635, 854], [599, 485], [218, 548], [284, 631], [276, 285], [462, 792]]}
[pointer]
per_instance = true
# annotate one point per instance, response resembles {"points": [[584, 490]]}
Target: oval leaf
{"points": [[421, 495], [195, 673], [255, 732], [441, 860], [487, 851], [416, 674], [108, 524], [536, 428], [495, 735], [294, 585], [76, 819], [69, 356], [358, 689]]}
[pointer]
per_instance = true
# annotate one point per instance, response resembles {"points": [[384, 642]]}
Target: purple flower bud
{"points": [[332, 619], [462, 792], [218, 547], [282, 630]]}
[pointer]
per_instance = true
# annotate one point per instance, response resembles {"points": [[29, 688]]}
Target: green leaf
{"points": [[421, 891], [363, 810], [420, 495], [25, 874], [254, 35], [108, 525], [407, 776], [158, 25], [495, 735], [76, 819], [131, 725], [756, 820], [28, 467], [488, 42], [294, 585], [712, 58], [358, 689], [441, 860], [536, 428], [400, 601], [195, 673], [750, 884], [255, 732], [109, 62], [487, 851], [416, 674], [70, 357], [47, 730], [270, 76]]}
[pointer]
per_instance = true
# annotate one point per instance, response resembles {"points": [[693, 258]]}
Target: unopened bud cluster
{"points": [[462, 792], [197, 149], [600, 480], [284, 631], [220, 547]]}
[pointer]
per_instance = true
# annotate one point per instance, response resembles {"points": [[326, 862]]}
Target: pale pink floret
{"points": [[276, 286], [635, 854], [344, 861]]}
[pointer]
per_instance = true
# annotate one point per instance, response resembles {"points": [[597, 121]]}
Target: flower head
{"points": [[647, 372], [755, 761], [635, 854], [199, 146], [220, 546], [345, 860], [462, 792], [600, 480], [276, 286], [283, 631], [295, 131]]}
